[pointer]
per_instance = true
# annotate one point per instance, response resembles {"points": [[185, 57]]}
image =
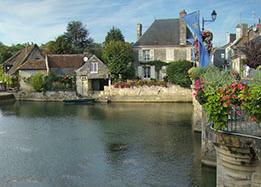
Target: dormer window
{"points": [[94, 67]]}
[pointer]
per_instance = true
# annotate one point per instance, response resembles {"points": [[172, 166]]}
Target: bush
{"points": [[177, 73], [195, 72], [37, 82]]}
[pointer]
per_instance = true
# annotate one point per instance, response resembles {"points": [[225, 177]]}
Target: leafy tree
{"points": [[8, 51], [77, 34], [114, 35], [252, 50], [37, 81], [96, 49], [118, 56], [177, 72]]}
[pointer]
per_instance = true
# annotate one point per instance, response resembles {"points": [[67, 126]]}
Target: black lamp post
{"points": [[213, 16]]}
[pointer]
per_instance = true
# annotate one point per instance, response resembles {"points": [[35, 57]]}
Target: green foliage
{"points": [[252, 102], [37, 81], [8, 51], [54, 82], [6, 79], [177, 72], [60, 46], [215, 109], [215, 78], [256, 79], [78, 36], [75, 40], [118, 55], [195, 72], [96, 49], [114, 35], [157, 63]]}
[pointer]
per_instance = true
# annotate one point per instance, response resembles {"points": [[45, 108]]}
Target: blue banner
{"points": [[192, 21]]}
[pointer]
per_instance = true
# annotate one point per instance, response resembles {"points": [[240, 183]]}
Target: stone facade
{"points": [[238, 159], [45, 96], [146, 94], [25, 74], [165, 40], [88, 80]]}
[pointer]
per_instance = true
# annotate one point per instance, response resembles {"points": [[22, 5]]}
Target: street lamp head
{"points": [[214, 15]]}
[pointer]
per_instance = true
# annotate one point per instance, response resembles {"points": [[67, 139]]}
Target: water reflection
{"points": [[100, 145]]}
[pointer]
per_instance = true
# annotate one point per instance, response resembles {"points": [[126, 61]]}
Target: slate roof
{"points": [[162, 32], [19, 58], [73, 61], [33, 65]]}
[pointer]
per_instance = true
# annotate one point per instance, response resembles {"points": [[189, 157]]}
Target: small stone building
{"points": [[165, 40], [92, 76], [28, 69]]}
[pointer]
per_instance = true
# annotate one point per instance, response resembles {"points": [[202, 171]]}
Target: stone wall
{"points": [[172, 93], [197, 115], [238, 159], [45, 96]]}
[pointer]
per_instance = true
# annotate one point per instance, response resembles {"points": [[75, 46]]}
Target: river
{"points": [[57, 145]]}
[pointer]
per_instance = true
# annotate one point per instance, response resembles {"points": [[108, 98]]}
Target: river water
{"points": [[57, 145]]}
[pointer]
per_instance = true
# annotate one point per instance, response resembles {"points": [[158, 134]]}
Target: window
{"points": [[222, 55], [146, 55], [94, 67], [146, 71]]}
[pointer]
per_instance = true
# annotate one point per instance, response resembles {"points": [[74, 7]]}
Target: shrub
{"points": [[195, 72], [37, 82], [177, 73]]}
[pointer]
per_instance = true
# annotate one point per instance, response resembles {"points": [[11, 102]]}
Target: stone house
{"points": [[165, 40], [92, 73], [92, 76], [243, 34], [29, 53]]}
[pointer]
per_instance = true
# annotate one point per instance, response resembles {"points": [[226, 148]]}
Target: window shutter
{"points": [[140, 55], [140, 72], [152, 54], [152, 72]]}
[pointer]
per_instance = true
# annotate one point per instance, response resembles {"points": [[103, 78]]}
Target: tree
{"points": [[177, 72], [96, 49], [8, 51], [252, 50], [77, 34], [114, 35], [118, 56]]}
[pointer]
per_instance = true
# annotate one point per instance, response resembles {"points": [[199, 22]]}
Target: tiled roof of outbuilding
{"points": [[33, 65], [73, 61]]}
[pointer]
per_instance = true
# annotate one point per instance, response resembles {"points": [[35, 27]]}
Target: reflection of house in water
{"points": [[92, 76]]}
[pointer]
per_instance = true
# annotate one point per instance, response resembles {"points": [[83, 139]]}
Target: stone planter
{"points": [[238, 158]]}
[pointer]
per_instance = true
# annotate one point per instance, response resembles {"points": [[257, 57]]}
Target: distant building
{"points": [[165, 40]]}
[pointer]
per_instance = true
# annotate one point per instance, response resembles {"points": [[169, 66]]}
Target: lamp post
{"points": [[213, 16]]}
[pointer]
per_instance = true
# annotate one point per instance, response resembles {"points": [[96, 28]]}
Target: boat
{"points": [[82, 101]]}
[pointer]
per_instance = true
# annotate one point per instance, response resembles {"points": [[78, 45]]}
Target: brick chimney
{"points": [[182, 28], [139, 30]]}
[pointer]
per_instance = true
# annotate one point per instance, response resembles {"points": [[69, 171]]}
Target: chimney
{"points": [[47, 64], [231, 38], [241, 30], [182, 28], [139, 30]]}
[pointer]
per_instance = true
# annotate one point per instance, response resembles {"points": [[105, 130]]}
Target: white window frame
{"points": [[146, 55], [94, 67]]}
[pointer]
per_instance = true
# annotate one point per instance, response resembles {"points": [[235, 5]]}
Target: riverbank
{"points": [[6, 97], [143, 94]]}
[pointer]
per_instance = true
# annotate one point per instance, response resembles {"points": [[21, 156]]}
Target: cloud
{"points": [[43, 20]]}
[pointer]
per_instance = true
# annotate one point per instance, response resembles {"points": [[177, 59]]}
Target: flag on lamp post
{"points": [[192, 21]]}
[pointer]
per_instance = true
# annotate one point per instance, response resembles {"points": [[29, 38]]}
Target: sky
{"points": [[40, 21]]}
